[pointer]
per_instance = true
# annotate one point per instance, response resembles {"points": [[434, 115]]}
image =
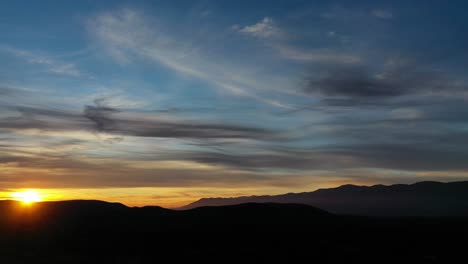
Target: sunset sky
{"points": [[165, 102]]}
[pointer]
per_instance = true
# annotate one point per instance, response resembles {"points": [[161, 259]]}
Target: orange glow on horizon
{"points": [[168, 197], [27, 197]]}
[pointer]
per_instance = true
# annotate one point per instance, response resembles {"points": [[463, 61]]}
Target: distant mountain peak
{"points": [[427, 198]]}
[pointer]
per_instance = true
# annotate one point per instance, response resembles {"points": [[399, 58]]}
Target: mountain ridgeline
{"points": [[102, 232], [79, 216], [419, 199]]}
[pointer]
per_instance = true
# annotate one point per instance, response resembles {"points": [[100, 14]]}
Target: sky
{"points": [[166, 102]]}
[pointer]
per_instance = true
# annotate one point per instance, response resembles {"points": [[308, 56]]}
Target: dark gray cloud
{"points": [[283, 160], [431, 153], [6, 91], [411, 157], [360, 82], [106, 120], [143, 128], [27, 117], [354, 83], [398, 116], [422, 143], [100, 115], [102, 118], [7, 94], [391, 124], [12, 159]]}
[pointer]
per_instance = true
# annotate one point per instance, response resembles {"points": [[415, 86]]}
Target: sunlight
{"points": [[27, 197]]}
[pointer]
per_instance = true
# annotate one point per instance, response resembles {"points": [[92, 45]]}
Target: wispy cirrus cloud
{"points": [[99, 117], [326, 56], [392, 156], [266, 29], [106, 119], [339, 12], [128, 34], [51, 65], [382, 13], [276, 38]]}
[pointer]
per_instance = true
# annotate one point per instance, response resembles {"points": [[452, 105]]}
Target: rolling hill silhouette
{"points": [[100, 232], [419, 199], [88, 215]]}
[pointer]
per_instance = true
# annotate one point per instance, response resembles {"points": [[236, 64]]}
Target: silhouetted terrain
{"points": [[419, 199], [100, 232]]}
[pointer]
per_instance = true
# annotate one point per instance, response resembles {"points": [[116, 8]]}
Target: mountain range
{"points": [[84, 231], [418, 199]]}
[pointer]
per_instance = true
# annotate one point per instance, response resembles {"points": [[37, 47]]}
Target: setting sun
{"points": [[27, 197]]}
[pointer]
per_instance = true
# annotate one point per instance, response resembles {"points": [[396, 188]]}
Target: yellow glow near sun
{"points": [[27, 197]]}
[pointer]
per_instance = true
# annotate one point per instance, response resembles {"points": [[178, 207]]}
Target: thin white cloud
{"points": [[317, 55], [52, 66], [115, 98], [406, 114], [266, 28], [205, 13], [381, 13], [350, 14], [66, 69]]}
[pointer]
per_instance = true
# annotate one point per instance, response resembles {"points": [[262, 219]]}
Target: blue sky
{"points": [[164, 102]]}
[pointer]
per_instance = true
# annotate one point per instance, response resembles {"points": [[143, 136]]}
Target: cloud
{"points": [[355, 14], [382, 13], [43, 119], [128, 34], [105, 119], [353, 82], [66, 69], [350, 141], [100, 115], [402, 116], [392, 154], [273, 35], [50, 172], [317, 55], [7, 91], [205, 13], [409, 157], [358, 81], [407, 113], [278, 160], [266, 28], [52, 65], [133, 125]]}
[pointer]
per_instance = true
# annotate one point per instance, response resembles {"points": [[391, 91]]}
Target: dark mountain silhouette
{"points": [[88, 215], [419, 199], [101, 232]]}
